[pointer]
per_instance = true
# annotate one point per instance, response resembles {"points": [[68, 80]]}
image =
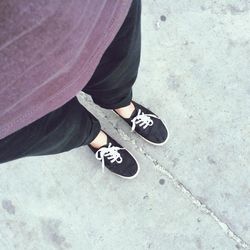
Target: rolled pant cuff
{"points": [[123, 102]]}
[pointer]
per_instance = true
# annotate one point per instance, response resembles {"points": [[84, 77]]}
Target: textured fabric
{"points": [[111, 154], [147, 124], [63, 129], [72, 125], [49, 50], [110, 86]]}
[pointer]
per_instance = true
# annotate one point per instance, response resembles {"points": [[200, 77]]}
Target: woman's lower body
{"points": [[72, 125]]}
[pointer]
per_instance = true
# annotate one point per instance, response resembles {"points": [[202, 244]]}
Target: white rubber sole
{"points": [[156, 144]]}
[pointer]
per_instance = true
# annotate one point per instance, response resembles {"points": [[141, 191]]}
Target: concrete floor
{"points": [[192, 193]]}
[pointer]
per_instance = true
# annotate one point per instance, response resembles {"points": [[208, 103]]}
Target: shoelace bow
{"points": [[111, 152], [142, 119]]}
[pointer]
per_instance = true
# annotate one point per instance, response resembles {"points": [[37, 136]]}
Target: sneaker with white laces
{"points": [[147, 124], [117, 159]]}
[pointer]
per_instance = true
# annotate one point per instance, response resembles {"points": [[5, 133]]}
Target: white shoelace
{"points": [[142, 120], [111, 152]]}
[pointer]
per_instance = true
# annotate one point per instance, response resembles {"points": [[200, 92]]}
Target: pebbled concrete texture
{"points": [[192, 193]]}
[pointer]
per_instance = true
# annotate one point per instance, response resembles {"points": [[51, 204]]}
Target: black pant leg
{"points": [[72, 125], [111, 84], [63, 129]]}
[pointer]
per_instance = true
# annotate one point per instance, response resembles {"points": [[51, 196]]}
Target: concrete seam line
{"points": [[177, 184], [203, 207]]}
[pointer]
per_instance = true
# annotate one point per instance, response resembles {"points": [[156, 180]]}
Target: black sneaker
{"points": [[147, 124], [117, 159]]}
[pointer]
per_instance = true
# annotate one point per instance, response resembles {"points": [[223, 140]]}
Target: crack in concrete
{"points": [[177, 184], [203, 207]]}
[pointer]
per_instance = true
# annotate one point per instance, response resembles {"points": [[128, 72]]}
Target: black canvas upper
{"points": [[157, 133], [127, 168]]}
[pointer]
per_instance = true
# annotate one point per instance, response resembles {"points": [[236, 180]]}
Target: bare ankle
{"points": [[100, 140], [127, 111]]}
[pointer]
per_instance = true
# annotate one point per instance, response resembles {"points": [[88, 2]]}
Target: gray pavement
{"points": [[194, 192]]}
